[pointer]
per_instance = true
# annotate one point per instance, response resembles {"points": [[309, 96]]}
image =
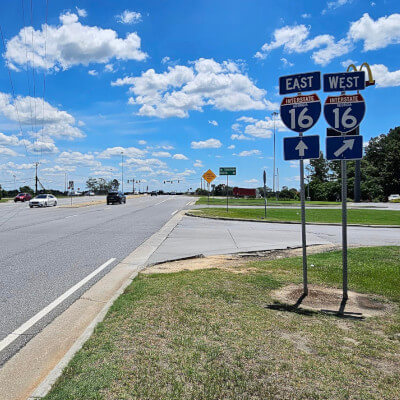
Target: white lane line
{"points": [[70, 216], [188, 202], [174, 212], [32, 321]]}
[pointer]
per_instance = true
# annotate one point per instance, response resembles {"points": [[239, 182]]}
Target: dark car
{"points": [[153, 193], [116, 197], [22, 197]]}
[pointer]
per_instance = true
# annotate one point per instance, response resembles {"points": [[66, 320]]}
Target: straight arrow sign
{"points": [[301, 147], [347, 144]]}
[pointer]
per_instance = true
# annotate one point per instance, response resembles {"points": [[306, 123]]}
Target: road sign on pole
{"points": [[307, 82], [344, 147], [301, 147], [300, 113], [265, 193], [209, 176], [227, 171], [345, 112], [344, 81]]}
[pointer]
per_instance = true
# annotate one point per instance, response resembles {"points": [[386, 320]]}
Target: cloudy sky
{"points": [[178, 86]]}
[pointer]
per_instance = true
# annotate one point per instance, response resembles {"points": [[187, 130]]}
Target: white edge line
{"points": [[28, 324], [174, 212]]}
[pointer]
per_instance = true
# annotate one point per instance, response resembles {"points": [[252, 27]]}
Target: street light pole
{"points": [[122, 170]]}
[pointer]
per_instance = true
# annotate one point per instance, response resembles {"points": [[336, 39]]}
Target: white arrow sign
{"points": [[347, 144], [301, 147]]}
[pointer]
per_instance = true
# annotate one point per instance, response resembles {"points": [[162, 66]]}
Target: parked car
{"points": [[116, 197], [43, 200], [153, 193], [22, 197], [393, 197], [91, 194]]}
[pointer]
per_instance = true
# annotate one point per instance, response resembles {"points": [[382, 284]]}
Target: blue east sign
{"points": [[301, 147], [308, 82], [300, 113], [344, 81], [345, 112], [344, 147]]}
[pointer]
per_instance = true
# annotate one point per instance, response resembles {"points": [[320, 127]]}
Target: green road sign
{"points": [[227, 171]]}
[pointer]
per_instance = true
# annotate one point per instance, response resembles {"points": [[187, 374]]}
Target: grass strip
{"points": [[208, 335], [259, 202], [365, 217]]}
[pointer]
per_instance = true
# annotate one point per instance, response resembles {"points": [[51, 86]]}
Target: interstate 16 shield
{"points": [[345, 112], [300, 113]]}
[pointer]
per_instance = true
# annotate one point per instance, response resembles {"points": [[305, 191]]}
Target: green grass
{"points": [[368, 217], [258, 202], [209, 335], [4, 200]]}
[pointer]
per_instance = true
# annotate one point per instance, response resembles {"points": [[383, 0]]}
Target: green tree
{"points": [[92, 184]]}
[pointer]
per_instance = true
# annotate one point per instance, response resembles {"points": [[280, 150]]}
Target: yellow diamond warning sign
{"points": [[209, 176]]}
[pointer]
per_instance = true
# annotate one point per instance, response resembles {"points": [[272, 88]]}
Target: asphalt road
{"points": [[46, 251]]}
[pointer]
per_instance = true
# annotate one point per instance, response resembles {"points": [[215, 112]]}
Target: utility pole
{"points": [[14, 182], [274, 114], [65, 182], [36, 177], [122, 171]]}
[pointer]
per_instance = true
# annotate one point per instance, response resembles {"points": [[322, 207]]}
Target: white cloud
{"points": [[252, 180], [5, 151], [231, 147], [383, 77], [247, 153], [186, 172], [286, 63], [305, 15], [294, 39], [191, 88], [142, 142], [165, 60], [213, 122], [129, 17], [93, 72], [46, 146], [162, 154], [146, 162], [14, 166], [6, 140], [376, 34], [81, 12], [179, 156], [109, 68], [240, 136], [59, 169], [166, 147], [347, 62], [69, 44], [332, 5], [75, 158], [127, 152], [206, 144], [198, 164]]}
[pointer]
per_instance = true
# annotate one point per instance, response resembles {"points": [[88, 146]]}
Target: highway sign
{"points": [[333, 132], [344, 81], [344, 147], [71, 185], [227, 171], [301, 147], [209, 176], [308, 82], [345, 112], [300, 113]]}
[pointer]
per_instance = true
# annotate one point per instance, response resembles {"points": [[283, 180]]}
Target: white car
{"points": [[43, 200], [394, 197]]}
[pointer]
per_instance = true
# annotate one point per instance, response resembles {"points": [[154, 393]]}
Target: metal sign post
{"points": [[303, 227], [227, 201], [344, 227], [227, 171], [265, 194]]}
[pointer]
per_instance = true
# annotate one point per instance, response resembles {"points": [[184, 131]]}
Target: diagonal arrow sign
{"points": [[301, 147], [347, 144]]}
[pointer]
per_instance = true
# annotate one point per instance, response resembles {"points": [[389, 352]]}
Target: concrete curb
{"points": [[136, 260], [190, 214]]}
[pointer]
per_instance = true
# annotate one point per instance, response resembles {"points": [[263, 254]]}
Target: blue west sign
{"points": [[300, 113], [301, 147], [308, 82], [344, 81], [345, 112]]}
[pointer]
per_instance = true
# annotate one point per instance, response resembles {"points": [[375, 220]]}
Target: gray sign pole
{"points": [[265, 194], [344, 226], [227, 182], [303, 227]]}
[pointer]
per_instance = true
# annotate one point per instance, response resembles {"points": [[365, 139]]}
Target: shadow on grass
{"points": [[295, 308]]}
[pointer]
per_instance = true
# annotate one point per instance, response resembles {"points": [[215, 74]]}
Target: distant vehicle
{"points": [[22, 197], [115, 197], [173, 193], [91, 194], [244, 192], [394, 197], [153, 193], [43, 200]]}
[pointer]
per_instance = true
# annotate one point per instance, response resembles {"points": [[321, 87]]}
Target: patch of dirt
{"points": [[329, 299], [228, 262], [299, 341]]}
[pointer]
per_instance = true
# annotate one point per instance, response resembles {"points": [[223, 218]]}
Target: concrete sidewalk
{"points": [[194, 236]]}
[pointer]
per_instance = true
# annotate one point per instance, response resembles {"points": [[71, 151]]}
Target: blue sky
{"points": [[177, 86]]}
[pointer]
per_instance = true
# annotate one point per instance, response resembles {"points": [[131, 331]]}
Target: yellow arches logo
{"points": [[370, 80]]}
